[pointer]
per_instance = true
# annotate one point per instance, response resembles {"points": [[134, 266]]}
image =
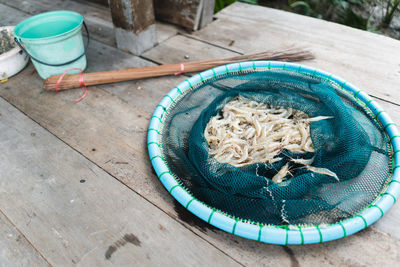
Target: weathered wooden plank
{"points": [[246, 251], [367, 248], [112, 134], [177, 44], [97, 17], [165, 31], [152, 90], [134, 24], [75, 213], [117, 126], [120, 139], [102, 57], [144, 93], [141, 93], [389, 223], [15, 250], [192, 14], [183, 49], [363, 58], [207, 13], [10, 16], [132, 15], [101, 2], [84, 141]]}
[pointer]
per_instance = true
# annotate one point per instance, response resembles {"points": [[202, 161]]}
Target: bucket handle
{"points": [[62, 64]]}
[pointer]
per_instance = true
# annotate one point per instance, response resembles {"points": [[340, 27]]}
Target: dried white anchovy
{"points": [[249, 132], [303, 161], [280, 175], [322, 171]]}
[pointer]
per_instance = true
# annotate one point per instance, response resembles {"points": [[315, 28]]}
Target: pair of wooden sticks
{"points": [[104, 77]]}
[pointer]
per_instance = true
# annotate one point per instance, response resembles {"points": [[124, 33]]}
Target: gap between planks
{"points": [[363, 58], [59, 98], [119, 97], [94, 8], [191, 229], [37, 256], [114, 55], [50, 189]]}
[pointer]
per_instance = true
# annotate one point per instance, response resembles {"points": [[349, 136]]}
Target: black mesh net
{"points": [[351, 144]]}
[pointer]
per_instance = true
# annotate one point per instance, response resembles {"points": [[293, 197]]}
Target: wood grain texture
{"points": [[132, 15], [97, 17], [144, 93], [177, 45], [15, 250], [368, 60], [183, 49], [191, 14], [74, 213], [114, 124], [165, 31], [366, 248], [14, 19], [112, 133], [207, 13], [134, 24], [70, 81], [121, 14], [120, 133], [391, 221]]}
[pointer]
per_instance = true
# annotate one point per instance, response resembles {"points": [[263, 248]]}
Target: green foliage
{"points": [[391, 7], [305, 5], [333, 10], [346, 12], [351, 19], [341, 11], [220, 4]]}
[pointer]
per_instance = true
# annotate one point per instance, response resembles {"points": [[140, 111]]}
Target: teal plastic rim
{"points": [[282, 235]]}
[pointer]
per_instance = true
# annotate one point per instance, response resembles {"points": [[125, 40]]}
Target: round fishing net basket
{"points": [[348, 182]]}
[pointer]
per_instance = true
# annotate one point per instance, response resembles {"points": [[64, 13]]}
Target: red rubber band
{"points": [[81, 82], [182, 69]]}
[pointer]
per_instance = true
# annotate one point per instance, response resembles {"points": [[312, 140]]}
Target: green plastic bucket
{"points": [[54, 41]]}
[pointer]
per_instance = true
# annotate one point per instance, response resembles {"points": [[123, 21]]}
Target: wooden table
{"points": [[76, 184]]}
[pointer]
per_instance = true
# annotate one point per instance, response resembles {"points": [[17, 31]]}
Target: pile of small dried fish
{"points": [[249, 132], [6, 41]]}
